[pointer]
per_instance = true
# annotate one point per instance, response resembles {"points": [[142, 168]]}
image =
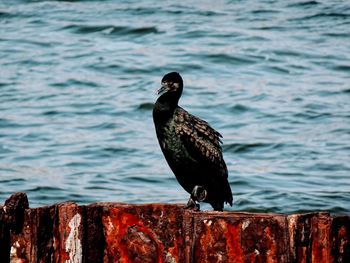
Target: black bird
{"points": [[191, 147]]}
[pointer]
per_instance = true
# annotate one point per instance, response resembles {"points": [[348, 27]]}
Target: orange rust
{"points": [[342, 236], [253, 258], [233, 245], [174, 251], [342, 232], [320, 240], [167, 233], [113, 238], [205, 240], [122, 221], [64, 229], [272, 245]]}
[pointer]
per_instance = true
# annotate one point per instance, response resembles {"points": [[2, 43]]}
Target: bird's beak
{"points": [[162, 89]]}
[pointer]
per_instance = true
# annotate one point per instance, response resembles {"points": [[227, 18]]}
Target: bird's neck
{"points": [[166, 105]]}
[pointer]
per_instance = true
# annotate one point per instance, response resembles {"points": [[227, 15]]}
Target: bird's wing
{"points": [[201, 140]]}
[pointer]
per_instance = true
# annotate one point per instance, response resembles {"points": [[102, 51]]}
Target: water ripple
{"points": [[77, 88], [110, 29]]}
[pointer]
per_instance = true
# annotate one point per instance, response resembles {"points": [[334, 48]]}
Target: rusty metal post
{"points": [[114, 232]]}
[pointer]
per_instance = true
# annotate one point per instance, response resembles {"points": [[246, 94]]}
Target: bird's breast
{"points": [[170, 142]]}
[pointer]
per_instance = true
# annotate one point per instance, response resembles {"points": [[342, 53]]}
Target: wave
{"points": [[111, 29]]}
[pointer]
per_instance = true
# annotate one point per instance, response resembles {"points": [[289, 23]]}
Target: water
{"points": [[78, 81]]}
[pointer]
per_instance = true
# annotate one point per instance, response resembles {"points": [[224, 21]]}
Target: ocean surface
{"points": [[78, 82]]}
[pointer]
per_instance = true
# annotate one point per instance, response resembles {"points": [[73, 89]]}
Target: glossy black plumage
{"points": [[191, 147]]}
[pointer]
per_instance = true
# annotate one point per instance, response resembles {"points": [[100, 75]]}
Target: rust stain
{"points": [[64, 229], [165, 233], [271, 253], [205, 240], [174, 251], [321, 247], [343, 242], [127, 236], [233, 244]]}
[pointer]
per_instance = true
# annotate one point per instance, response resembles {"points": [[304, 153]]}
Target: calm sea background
{"points": [[78, 81]]}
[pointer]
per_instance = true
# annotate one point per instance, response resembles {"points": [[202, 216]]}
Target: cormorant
{"points": [[191, 147]]}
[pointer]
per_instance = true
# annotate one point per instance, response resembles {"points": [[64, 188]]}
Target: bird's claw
{"points": [[199, 193], [192, 205]]}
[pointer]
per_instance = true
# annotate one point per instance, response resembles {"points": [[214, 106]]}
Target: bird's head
{"points": [[171, 82]]}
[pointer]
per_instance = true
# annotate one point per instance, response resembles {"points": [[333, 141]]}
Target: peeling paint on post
{"points": [[13, 253], [73, 243], [112, 232], [68, 233]]}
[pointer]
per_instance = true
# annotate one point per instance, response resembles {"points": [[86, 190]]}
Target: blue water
{"points": [[78, 81]]}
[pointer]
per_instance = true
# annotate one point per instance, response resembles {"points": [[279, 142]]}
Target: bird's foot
{"points": [[199, 193], [192, 205]]}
